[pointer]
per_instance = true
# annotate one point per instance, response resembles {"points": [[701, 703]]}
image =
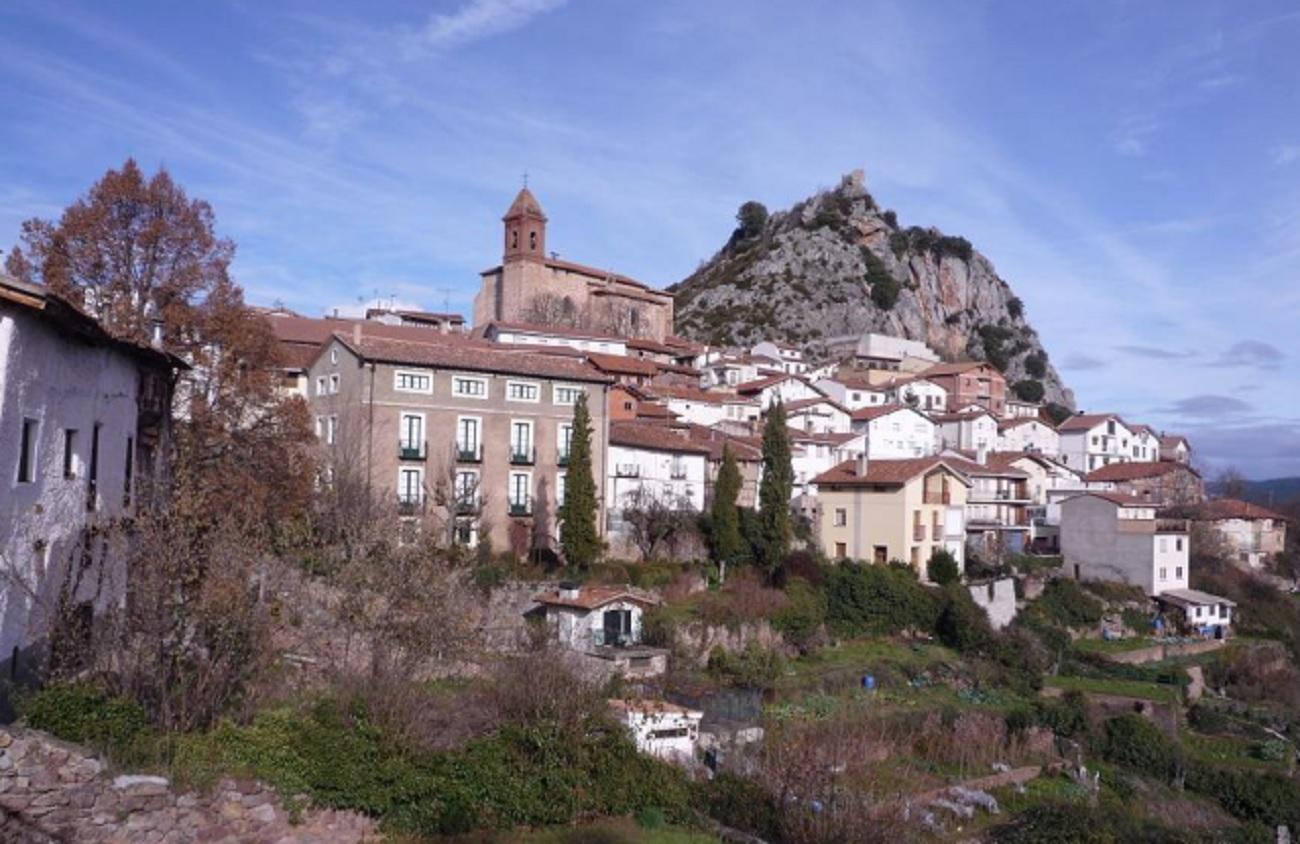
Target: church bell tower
{"points": [[525, 229]]}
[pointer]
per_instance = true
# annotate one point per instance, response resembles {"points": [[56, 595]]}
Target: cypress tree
{"points": [[774, 523], [578, 536], [728, 544]]}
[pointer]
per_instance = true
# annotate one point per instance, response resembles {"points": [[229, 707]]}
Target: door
{"points": [[618, 627]]}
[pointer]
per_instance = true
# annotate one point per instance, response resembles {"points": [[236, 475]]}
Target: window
{"points": [[320, 385], [128, 471], [1164, 545], [560, 478], [474, 388], [467, 437], [841, 517], [92, 487], [1164, 573], [521, 441], [334, 383], [1178, 573], [411, 435], [466, 488], [331, 429], [567, 394], [410, 485], [841, 551], [334, 355], [522, 391], [519, 483], [564, 438], [69, 453], [1178, 543], [27, 452], [406, 381]]}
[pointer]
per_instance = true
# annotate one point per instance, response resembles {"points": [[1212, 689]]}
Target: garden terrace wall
{"points": [[55, 792]]}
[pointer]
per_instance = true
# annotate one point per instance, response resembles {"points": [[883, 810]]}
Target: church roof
{"points": [[525, 205]]}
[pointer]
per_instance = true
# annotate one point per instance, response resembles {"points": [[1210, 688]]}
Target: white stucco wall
{"points": [[668, 733], [1096, 547], [1030, 436], [998, 599], [654, 473], [578, 628], [62, 385]]}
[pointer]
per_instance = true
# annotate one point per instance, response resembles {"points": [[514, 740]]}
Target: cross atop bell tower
{"points": [[525, 228]]}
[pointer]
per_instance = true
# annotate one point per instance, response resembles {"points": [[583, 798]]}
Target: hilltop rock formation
{"points": [[836, 264]]}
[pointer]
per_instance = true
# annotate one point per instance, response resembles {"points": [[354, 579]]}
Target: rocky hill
{"points": [[836, 264]]}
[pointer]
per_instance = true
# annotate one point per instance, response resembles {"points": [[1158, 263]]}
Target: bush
{"points": [[1066, 716], [884, 287], [1015, 307], [802, 617], [962, 625], [750, 219], [800, 565], [1066, 603], [890, 218], [942, 567], [1058, 413], [1133, 742], [1029, 390], [863, 598], [81, 713], [740, 803], [1208, 719], [1036, 365], [1249, 795]]}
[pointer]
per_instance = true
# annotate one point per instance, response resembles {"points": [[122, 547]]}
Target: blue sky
{"points": [[1131, 168]]}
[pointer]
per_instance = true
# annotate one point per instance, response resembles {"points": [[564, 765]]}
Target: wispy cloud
{"points": [[1133, 135], [1284, 154], [1207, 406], [1081, 362], [481, 19], [1154, 352], [1251, 353]]}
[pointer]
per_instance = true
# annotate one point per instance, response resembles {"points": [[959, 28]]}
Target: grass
{"points": [[607, 831], [863, 655], [1114, 646], [1113, 686], [1237, 751]]}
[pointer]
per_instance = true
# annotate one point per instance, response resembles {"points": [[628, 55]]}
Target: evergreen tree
{"points": [[728, 544], [578, 536], [775, 527]]}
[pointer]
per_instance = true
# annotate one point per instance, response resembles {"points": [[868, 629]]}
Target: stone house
{"points": [[1256, 534], [85, 440], [602, 623], [461, 434], [884, 510], [1164, 484]]}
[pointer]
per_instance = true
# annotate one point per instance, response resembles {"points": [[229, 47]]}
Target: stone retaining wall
{"points": [[55, 792], [1164, 651]]}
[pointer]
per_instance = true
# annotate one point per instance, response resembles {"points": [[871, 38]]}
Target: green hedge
{"points": [[863, 598]]}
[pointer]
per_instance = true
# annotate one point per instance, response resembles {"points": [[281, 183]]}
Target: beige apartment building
{"points": [[885, 510], [458, 433]]}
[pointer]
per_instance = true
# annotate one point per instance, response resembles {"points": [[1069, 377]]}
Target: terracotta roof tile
{"points": [[622, 365], [881, 472], [1084, 421], [1118, 472], [866, 414], [474, 356], [1231, 508], [1119, 498], [593, 597], [552, 330], [655, 436]]}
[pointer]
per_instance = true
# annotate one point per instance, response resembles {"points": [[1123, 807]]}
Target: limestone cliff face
{"points": [[835, 264]]}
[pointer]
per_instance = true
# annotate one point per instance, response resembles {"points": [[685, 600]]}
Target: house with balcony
{"points": [[1092, 440], [1256, 534], [914, 391], [464, 436], [767, 390], [885, 510], [1049, 482], [895, 431], [1164, 483], [997, 505], [603, 625], [820, 415], [652, 464], [814, 453], [855, 389], [971, 429], [971, 382], [785, 358], [747, 451], [1145, 447], [1028, 433]]}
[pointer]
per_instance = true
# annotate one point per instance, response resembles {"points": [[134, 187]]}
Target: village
{"points": [[568, 385]]}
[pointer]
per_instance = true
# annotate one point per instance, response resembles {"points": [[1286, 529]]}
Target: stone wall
{"points": [[55, 792]]}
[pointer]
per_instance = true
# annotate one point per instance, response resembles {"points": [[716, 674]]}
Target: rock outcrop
{"points": [[55, 792], [836, 264]]}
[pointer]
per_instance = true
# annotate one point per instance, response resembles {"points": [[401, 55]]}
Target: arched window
{"points": [[514, 238], [532, 241]]}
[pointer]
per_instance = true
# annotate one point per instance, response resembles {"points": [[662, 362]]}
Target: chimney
{"points": [[861, 465], [156, 333], [356, 333], [982, 455], [569, 590]]}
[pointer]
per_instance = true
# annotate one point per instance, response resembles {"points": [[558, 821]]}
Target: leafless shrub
{"points": [[744, 597]]}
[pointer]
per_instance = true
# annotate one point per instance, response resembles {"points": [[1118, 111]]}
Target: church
{"points": [[530, 286]]}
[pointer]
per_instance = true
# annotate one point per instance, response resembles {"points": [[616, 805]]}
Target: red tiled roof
{"points": [[715, 440], [1118, 472], [1084, 421], [1231, 508], [474, 356], [1171, 440], [760, 384], [960, 417], [551, 330], [866, 414], [1119, 498], [989, 468], [645, 344], [622, 365], [653, 410], [593, 597], [800, 404], [881, 472], [1007, 424], [689, 393], [824, 437], [941, 369], [655, 436]]}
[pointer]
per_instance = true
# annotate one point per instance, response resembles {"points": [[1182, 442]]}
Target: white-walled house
{"points": [[1018, 409], [661, 729], [602, 623], [789, 358], [972, 429], [769, 389], [1027, 433], [819, 415], [1194, 611], [814, 453], [85, 423], [1108, 536], [1145, 447], [1175, 447], [700, 407], [895, 432], [725, 370], [520, 333], [854, 393], [920, 393], [1090, 441], [652, 462]]}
